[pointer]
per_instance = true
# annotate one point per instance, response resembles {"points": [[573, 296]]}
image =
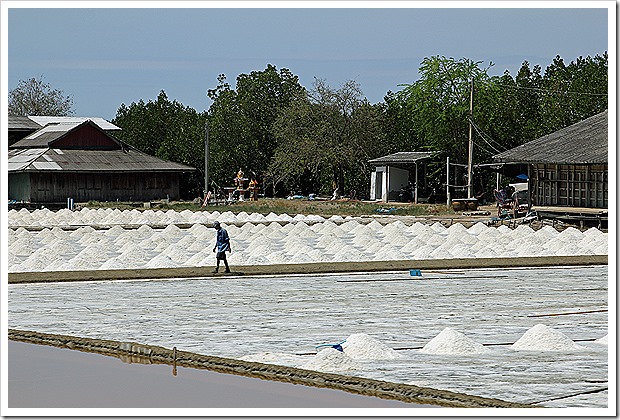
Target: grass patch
{"points": [[292, 207]]}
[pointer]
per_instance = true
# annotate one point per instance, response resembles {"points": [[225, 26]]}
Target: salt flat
{"points": [[276, 319]]}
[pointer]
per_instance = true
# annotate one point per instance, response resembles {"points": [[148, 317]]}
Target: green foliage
{"points": [[36, 97], [312, 141], [325, 139], [241, 119], [438, 103], [169, 130], [432, 113]]}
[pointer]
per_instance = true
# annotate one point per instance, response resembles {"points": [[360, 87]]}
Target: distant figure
{"points": [[402, 195], [222, 245], [207, 198], [253, 187], [239, 179], [335, 195]]}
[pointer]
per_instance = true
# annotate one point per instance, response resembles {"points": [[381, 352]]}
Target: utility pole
{"points": [[471, 143], [206, 156], [448, 199]]}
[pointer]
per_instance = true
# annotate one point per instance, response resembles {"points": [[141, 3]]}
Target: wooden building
{"points": [[83, 161], [20, 127], [568, 167]]}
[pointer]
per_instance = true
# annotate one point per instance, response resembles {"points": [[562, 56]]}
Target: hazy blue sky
{"points": [[105, 57]]}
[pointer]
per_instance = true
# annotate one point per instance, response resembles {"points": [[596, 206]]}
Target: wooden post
{"points": [[415, 200], [174, 361], [448, 181], [206, 156], [471, 143], [529, 189]]}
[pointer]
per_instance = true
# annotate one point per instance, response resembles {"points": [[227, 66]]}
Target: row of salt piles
{"points": [[293, 243], [361, 347], [109, 216]]}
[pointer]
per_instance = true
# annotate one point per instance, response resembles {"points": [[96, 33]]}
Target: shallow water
{"points": [[235, 317], [49, 377]]}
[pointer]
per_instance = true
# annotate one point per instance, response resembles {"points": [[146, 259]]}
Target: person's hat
{"points": [[216, 224]]}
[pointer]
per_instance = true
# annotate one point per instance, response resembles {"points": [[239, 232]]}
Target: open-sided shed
{"points": [[393, 173], [568, 167]]}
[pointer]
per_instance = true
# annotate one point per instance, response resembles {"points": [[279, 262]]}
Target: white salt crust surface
{"points": [[276, 319], [55, 249], [602, 340]]}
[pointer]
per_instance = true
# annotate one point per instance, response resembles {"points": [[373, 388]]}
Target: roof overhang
{"points": [[402, 158]]}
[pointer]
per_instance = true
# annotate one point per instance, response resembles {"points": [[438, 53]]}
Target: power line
{"points": [[479, 131], [568, 92], [487, 139]]}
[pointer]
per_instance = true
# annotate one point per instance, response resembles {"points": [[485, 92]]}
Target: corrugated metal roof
{"points": [[22, 123], [44, 120], [45, 135], [585, 142], [20, 159], [45, 166], [402, 157], [75, 160], [54, 131]]}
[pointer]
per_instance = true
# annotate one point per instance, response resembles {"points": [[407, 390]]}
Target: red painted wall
{"points": [[86, 137]]}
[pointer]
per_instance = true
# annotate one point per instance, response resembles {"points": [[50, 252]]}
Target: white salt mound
{"points": [[602, 340], [364, 347], [330, 360], [543, 338], [450, 341]]}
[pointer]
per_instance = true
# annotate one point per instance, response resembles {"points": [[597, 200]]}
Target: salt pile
{"points": [[450, 341], [285, 239], [331, 360], [543, 338], [602, 340], [364, 347]]}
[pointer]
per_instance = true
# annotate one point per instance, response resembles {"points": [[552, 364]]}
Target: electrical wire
{"points": [[483, 139], [483, 136], [568, 92]]}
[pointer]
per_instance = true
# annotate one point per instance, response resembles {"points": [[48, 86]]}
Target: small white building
{"points": [[393, 172]]}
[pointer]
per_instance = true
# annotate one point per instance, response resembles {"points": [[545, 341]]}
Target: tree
{"points": [[35, 97], [241, 120], [573, 92], [432, 113], [438, 103], [435, 109], [325, 139], [169, 130]]}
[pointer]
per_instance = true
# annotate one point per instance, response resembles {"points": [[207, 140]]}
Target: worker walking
{"points": [[222, 245]]}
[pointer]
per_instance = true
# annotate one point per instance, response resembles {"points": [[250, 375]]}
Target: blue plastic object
{"points": [[336, 346], [415, 272]]}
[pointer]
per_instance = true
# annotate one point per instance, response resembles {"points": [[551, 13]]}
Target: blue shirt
{"points": [[223, 241]]}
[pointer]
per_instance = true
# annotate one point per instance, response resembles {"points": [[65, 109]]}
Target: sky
{"points": [[104, 57]]}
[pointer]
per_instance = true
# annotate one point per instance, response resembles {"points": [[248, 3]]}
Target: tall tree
{"points": [[169, 130], [325, 139], [438, 103], [35, 97], [437, 108], [241, 120]]}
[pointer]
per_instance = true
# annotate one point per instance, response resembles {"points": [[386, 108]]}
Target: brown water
{"points": [[48, 377]]}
